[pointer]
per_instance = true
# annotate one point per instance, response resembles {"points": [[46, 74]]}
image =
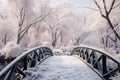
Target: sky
{"points": [[3, 1], [80, 3], [54, 2]]}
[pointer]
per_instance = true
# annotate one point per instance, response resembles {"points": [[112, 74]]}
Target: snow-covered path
{"points": [[62, 68]]}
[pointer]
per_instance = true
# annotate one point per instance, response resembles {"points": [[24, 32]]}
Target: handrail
{"points": [[98, 60], [26, 60]]}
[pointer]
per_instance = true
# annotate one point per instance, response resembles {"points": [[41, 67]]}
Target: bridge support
{"points": [[104, 66]]}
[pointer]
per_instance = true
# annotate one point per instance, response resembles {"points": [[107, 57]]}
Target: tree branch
{"points": [[114, 40], [22, 17], [99, 8], [111, 7], [105, 7], [116, 6], [91, 8], [28, 27]]}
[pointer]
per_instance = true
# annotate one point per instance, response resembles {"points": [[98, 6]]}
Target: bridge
{"points": [[83, 63]]}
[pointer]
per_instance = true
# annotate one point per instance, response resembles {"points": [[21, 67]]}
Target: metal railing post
{"points": [[104, 66], [25, 63]]}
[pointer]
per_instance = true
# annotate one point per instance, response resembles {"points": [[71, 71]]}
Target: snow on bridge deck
{"points": [[62, 68]]}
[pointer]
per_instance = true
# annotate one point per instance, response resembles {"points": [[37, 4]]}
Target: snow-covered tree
{"points": [[106, 11], [27, 15], [7, 27]]}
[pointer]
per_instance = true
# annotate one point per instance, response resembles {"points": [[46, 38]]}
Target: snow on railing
{"points": [[104, 64], [15, 70]]}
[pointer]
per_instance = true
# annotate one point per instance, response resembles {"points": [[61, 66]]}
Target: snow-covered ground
{"points": [[63, 50], [62, 68]]}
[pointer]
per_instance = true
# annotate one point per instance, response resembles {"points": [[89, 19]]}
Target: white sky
{"points": [[3, 1], [80, 3]]}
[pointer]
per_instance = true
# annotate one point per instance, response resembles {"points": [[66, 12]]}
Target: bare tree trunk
{"points": [[116, 42], [5, 39], [61, 38], [77, 41], [106, 41], [18, 38], [54, 43], [18, 35], [103, 42], [54, 39]]}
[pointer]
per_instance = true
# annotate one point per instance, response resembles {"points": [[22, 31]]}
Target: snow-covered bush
{"points": [[12, 50], [46, 44], [57, 51], [63, 50], [1, 44]]}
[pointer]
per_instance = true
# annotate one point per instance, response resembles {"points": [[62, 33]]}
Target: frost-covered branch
{"points": [[100, 9], [91, 8], [111, 7], [107, 12]]}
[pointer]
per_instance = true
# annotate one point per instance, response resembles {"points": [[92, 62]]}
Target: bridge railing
{"points": [[15, 70], [104, 64]]}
